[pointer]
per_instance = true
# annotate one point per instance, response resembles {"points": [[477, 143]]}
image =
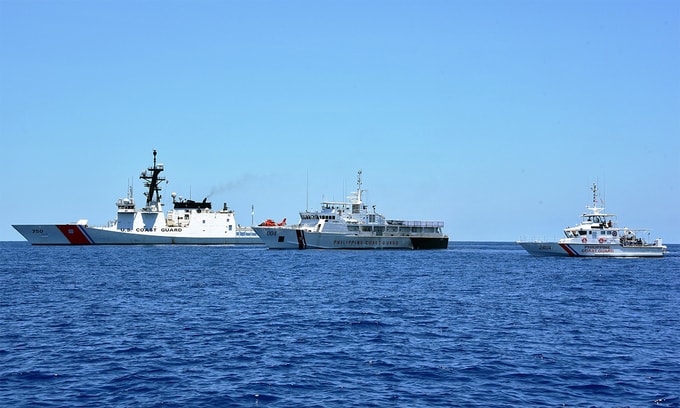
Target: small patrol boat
{"points": [[351, 225], [189, 222], [598, 235]]}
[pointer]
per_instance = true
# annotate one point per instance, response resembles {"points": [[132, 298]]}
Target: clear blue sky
{"points": [[493, 116]]}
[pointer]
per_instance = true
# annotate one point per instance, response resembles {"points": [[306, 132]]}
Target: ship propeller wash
{"points": [[598, 235], [351, 225], [189, 222]]}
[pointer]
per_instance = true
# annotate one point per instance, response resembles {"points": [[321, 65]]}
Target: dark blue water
{"points": [[480, 324]]}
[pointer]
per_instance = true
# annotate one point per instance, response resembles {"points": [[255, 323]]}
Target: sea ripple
{"points": [[479, 324]]}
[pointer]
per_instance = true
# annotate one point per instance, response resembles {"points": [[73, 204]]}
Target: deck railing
{"points": [[416, 223]]}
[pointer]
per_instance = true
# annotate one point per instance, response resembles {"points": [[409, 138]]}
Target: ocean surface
{"points": [[479, 324]]}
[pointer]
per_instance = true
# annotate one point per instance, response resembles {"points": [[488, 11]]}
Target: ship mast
{"points": [[595, 209], [359, 186], [152, 181], [594, 190], [595, 195]]}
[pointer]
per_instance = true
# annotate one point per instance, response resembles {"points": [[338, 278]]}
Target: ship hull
{"points": [[77, 234], [293, 238], [592, 250]]}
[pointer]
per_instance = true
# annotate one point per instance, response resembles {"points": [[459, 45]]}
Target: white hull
{"points": [[591, 249], [295, 238], [77, 234]]}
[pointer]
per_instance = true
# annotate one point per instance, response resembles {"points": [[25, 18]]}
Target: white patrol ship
{"points": [[351, 225], [189, 222], [598, 235]]}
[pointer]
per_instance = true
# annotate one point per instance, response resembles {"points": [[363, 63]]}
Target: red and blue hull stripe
{"points": [[76, 234], [569, 250]]}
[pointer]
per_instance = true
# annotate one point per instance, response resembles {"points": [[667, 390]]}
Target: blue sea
{"points": [[479, 325]]}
